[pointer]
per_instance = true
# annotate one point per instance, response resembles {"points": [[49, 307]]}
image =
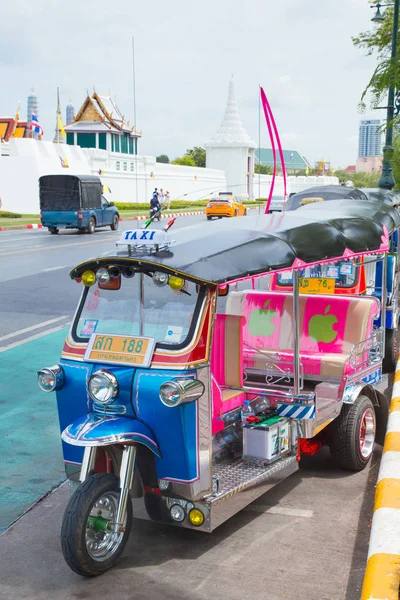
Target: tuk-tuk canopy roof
{"points": [[230, 249], [325, 192]]}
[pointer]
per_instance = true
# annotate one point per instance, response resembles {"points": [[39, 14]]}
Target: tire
{"points": [[245, 212], [235, 213], [92, 225], [391, 351], [53, 230], [209, 218], [115, 224], [79, 557], [346, 434]]}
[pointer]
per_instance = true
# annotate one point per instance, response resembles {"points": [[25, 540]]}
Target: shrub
{"points": [[9, 215], [175, 205]]}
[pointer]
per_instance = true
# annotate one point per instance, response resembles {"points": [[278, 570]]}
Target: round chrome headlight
{"points": [[176, 391], [103, 276], [51, 378], [103, 387]]}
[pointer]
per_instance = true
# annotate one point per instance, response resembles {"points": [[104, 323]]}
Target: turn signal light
{"points": [[88, 278], [196, 517]]}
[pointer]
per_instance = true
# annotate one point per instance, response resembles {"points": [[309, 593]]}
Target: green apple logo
{"points": [[260, 322], [320, 327]]}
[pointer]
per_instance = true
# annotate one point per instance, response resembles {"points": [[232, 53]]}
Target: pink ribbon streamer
{"points": [[269, 117]]}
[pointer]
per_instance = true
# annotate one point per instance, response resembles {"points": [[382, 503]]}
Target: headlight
{"points": [[103, 387], [51, 378], [176, 391]]}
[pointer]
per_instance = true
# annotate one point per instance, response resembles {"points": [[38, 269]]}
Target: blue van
{"points": [[75, 202]]}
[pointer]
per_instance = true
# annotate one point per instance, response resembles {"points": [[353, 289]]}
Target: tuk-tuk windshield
{"points": [[141, 307], [344, 274]]}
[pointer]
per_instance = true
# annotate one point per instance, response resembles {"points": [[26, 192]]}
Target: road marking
{"points": [[33, 337], [37, 248], [280, 510], [52, 269], [31, 328]]}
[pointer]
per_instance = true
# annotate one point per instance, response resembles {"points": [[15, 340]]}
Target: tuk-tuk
{"points": [[367, 278], [182, 401], [75, 202]]}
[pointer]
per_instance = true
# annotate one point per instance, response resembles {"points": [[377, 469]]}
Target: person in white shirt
{"points": [[167, 199], [161, 196]]}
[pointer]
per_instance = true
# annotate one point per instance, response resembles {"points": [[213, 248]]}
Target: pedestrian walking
{"points": [[161, 196], [167, 199]]}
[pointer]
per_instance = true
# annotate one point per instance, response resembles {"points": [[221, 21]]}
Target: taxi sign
{"points": [[143, 237], [311, 200], [120, 350], [316, 285]]}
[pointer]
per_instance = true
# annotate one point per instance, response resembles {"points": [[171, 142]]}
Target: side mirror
{"points": [[111, 204]]}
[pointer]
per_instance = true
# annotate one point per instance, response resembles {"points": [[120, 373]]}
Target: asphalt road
{"points": [[307, 539]]}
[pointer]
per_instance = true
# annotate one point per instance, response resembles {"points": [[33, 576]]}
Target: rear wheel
{"points": [[391, 350], [353, 434], [115, 223], [89, 543], [209, 218], [235, 213], [53, 230], [245, 212], [92, 225]]}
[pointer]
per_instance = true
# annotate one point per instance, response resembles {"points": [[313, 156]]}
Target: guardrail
{"points": [[382, 575]]}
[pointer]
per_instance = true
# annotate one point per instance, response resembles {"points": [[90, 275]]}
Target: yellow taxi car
{"points": [[225, 205]]}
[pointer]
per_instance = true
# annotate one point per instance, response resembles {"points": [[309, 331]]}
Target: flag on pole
{"points": [[35, 125], [16, 119], [60, 125]]}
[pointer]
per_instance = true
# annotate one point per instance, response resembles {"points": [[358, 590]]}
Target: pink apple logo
{"points": [[320, 327], [261, 321]]}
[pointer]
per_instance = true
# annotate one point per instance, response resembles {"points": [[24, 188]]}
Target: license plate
{"points": [[316, 285], [120, 350]]}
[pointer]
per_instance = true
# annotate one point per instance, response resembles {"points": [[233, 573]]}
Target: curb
{"points": [[382, 574], [139, 218]]}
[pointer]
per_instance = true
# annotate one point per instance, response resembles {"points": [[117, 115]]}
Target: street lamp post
{"points": [[386, 180]]}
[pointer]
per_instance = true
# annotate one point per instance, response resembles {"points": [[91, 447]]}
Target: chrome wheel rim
{"points": [[101, 539], [367, 433]]}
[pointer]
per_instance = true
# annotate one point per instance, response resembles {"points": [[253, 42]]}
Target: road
{"points": [[307, 539]]}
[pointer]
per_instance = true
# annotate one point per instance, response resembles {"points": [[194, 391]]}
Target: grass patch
{"points": [[4, 214]]}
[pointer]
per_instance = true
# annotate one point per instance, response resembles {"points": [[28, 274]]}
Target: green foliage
{"points": [[175, 205], [198, 154], [186, 161], [387, 72], [359, 180], [396, 160], [163, 158], [9, 215], [263, 169]]}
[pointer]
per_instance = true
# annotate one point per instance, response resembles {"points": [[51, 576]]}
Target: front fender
{"points": [[92, 430]]}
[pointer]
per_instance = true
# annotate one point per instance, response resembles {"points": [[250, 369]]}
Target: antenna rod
{"points": [[134, 81]]}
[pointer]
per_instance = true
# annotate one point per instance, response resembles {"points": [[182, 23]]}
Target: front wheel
{"points": [[53, 230], [90, 544], [115, 223], [245, 212], [92, 225], [353, 434], [390, 358]]}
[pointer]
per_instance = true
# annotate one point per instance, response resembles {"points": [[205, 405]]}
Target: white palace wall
{"points": [[130, 178]]}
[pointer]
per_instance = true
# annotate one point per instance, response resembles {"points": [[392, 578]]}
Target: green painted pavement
{"points": [[30, 446]]}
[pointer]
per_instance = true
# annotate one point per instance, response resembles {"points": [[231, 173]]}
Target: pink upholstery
{"points": [[330, 326], [226, 366]]}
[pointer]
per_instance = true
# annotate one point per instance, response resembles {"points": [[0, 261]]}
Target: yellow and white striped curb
{"points": [[382, 575]]}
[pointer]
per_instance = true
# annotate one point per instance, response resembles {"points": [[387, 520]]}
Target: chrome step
{"points": [[236, 475]]}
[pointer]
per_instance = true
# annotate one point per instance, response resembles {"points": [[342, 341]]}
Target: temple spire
{"points": [[231, 130], [59, 135]]}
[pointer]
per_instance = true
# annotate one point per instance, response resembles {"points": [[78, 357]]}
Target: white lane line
{"points": [[280, 510], [31, 328], [33, 337], [52, 269]]}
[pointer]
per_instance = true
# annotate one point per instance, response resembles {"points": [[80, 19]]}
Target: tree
{"points": [[379, 41], [163, 158], [359, 180], [396, 159], [186, 161], [263, 169], [198, 154]]}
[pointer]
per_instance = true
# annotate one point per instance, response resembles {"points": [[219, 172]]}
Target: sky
{"points": [[300, 51]]}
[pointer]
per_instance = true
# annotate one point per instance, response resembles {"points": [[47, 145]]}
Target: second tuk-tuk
{"points": [[162, 355]]}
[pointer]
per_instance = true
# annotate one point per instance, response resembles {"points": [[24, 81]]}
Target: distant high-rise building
{"points": [[33, 107], [69, 112], [369, 138]]}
